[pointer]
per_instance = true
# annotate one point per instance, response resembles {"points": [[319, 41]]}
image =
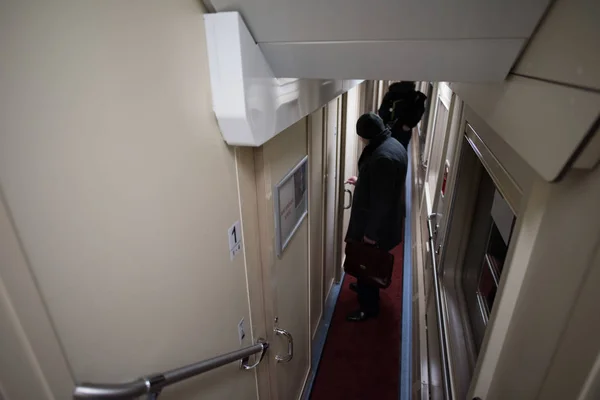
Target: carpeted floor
{"points": [[361, 361]]}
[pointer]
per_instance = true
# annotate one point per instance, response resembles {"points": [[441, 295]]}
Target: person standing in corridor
{"points": [[377, 209], [401, 110]]}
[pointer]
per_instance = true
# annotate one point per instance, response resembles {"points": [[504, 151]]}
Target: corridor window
{"points": [[480, 294]]}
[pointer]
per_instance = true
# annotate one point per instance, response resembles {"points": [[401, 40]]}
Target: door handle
{"points": [[349, 204], [288, 357]]}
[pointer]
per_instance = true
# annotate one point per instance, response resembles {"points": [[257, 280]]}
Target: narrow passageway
{"points": [[361, 361], [206, 163]]}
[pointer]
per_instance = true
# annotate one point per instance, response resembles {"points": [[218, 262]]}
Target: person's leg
{"points": [[368, 299]]}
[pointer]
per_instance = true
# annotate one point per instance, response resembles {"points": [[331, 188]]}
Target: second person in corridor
{"points": [[377, 209]]}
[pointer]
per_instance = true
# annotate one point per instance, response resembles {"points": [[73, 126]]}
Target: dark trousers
{"points": [[368, 297]]}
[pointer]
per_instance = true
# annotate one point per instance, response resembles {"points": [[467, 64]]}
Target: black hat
{"points": [[370, 125], [402, 87]]}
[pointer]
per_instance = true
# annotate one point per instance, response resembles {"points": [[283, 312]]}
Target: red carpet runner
{"points": [[361, 361]]}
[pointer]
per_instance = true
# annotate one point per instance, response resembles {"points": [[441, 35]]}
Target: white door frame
{"points": [[33, 365]]}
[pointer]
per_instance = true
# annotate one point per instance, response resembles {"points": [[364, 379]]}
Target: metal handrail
{"points": [[441, 320], [152, 385]]}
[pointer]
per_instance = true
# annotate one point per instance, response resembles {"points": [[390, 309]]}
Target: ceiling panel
{"points": [[466, 60], [561, 51], [354, 20]]}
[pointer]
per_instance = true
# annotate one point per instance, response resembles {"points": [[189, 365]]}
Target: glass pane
{"points": [[488, 282]]}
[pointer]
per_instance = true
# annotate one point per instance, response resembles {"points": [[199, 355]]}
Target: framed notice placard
{"points": [[290, 198]]}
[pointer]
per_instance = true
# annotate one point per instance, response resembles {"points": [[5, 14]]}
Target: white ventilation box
{"points": [[250, 103]]}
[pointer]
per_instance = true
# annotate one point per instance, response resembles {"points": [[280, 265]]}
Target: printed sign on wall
{"points": [[291, 204], [234, 235]]}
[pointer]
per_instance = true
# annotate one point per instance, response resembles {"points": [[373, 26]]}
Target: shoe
{"points": [[359, 316], [354, 287]]}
